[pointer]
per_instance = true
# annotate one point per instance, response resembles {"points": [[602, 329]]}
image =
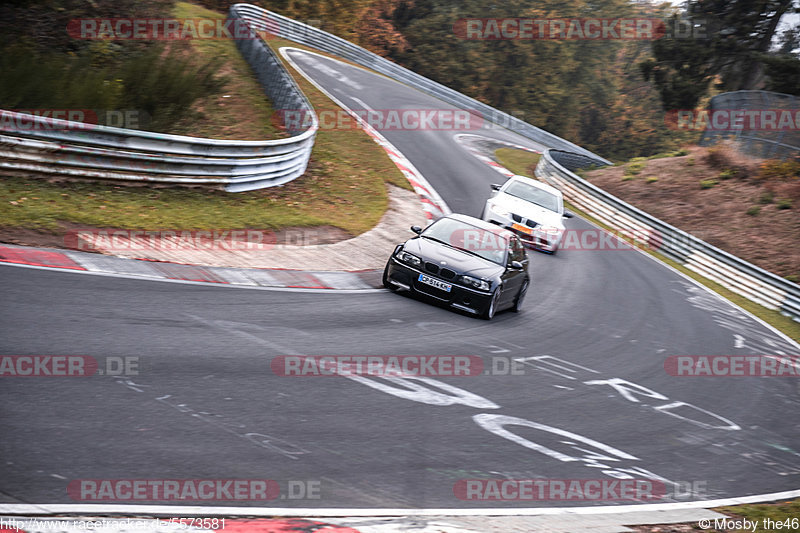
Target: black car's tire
{"points": [[386, 282], [491, 309], [520, 296]]}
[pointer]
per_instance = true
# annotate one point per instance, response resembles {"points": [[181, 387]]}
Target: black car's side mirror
{"points": [[495, 186], [516, 265], [568, 214], [416, 229]]}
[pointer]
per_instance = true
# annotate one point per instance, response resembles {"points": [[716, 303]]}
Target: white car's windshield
{"points": [[491, 245], [533, 194]]}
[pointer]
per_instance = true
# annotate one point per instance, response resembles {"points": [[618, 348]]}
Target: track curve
{"points": [[205, 403]]}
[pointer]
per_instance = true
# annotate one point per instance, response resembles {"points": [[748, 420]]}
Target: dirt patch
{"points": [[241, 111], [297, 236], [667, 528], [31, 237], [735, 212]]}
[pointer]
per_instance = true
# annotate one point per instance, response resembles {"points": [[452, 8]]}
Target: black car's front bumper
{"points": [[406, 277]]}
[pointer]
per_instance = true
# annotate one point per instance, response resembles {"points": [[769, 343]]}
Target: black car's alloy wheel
{"points": [[491, 309]]}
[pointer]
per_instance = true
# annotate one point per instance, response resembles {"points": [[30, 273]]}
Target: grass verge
{"points": [[314, 200], [784, 515], [241, 111], [774, 318], [517, 161]]}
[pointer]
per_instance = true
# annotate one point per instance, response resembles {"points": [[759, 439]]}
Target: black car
{"points": [[464, 262]]}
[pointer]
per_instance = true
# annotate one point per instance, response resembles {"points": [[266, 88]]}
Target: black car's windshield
{"points": [[533, 194], [491, 245]]}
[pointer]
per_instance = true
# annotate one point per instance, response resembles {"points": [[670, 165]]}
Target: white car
{"points": [[531, 209]]}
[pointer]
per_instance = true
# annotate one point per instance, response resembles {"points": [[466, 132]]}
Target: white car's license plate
{"points": [[434, 283], [523, 229]]}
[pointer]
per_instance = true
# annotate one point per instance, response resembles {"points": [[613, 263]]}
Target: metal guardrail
{"points": [[40, 145], [777, 143], [737, 275]]}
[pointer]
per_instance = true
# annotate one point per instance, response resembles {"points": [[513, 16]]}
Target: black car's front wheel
{"points": [[491, 309], [520, 296]]}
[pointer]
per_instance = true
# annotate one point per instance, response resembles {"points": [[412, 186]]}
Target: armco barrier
{"points": [[778, 144], [50, 146], [741, 277]]}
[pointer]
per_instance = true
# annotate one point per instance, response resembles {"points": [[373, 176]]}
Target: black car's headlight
{"points": [[475, 282], [409, 259]]}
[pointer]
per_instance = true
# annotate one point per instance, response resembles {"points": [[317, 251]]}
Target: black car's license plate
{"points": [[434, 282]]}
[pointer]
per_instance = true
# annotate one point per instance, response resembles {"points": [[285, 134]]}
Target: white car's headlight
{"points": [[409, 259], [500, 210], [475, 282]]}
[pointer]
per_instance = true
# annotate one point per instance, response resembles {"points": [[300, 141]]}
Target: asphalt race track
{"points": [[589, 398]]}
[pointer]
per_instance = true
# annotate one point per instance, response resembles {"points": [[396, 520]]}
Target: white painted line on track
{"points": [[335, 74], [361, 102]]}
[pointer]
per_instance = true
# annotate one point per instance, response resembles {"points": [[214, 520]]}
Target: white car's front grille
{"points": [[522, 220]]}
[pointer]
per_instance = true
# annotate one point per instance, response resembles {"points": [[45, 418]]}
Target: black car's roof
{"points": [[482, 224]]}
